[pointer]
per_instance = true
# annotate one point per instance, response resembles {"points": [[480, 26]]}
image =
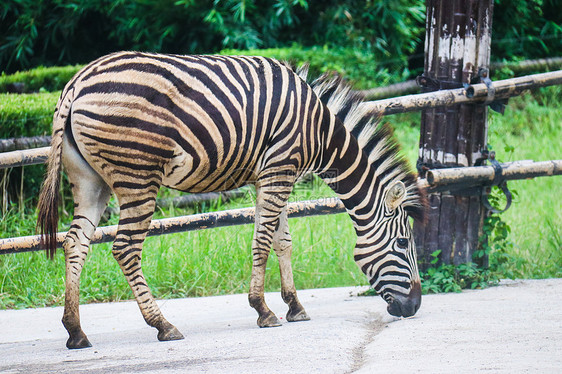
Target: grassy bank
{"points": [[532, 129], [218, 261]]}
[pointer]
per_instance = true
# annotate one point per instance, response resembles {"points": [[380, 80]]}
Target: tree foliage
{"points": [[55, 32], [537, 32], [48, 32]]}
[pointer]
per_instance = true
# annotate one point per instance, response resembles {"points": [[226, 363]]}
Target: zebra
{"points": [[131, 122]]}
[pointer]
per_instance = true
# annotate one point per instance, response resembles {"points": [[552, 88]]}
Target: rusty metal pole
{"points": [[233, 217], [457, 48]]}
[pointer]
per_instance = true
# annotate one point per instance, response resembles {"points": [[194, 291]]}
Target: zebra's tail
{"points": [[49, 198]]}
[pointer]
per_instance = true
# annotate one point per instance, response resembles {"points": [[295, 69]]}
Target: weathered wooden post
{"points": [[457, 52]]}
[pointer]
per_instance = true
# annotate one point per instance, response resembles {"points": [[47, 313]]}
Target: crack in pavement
{"points": [[373, 327]]}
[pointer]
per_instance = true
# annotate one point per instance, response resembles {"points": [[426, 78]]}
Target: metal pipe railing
{"points": [[472, 94], [193, 222], [411, 86], [442, 179], [448, 179], [24, 157]]}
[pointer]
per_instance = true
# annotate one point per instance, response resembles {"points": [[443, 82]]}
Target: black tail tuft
{"points": [[48, 217]]}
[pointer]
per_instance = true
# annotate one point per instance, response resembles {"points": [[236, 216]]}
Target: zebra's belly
{"points": [[184, 173]]}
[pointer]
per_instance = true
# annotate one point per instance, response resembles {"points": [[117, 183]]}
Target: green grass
{"points": [[218, 261], [199, 263], [532, 129]]}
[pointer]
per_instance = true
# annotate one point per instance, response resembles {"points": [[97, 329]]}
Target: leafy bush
{"points": [[360, 68], [27, 114], [536, 34], [490, 260], [454, 278], [49, 32], [40, 79], [24, 115], [391, 28]]}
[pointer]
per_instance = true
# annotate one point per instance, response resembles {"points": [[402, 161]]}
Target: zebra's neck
{"points": [[360, 158], [346, 169], [362, 184]]}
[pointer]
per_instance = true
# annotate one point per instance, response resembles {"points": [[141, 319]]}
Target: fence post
{"points": [[457, 48]]}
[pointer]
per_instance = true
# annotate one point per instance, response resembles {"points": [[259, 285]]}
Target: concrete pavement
{"points": [[515, 327]]}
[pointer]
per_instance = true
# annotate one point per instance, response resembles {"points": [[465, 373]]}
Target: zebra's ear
{"points": [[395, 195]]}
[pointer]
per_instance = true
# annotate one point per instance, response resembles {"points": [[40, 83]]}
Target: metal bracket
{"points": [[423, 167], [482, 190], [485, 155], [497, 105], [484, 75], [498, 181]]}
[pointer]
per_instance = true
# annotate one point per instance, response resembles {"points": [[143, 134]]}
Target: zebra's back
{"points": [[195, 123]]}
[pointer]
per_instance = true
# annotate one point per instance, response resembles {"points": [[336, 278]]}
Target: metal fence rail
{"points": [[201, 221], [411, 86], [441, 179], [16, 144], [475, 93], [464, 177], [24, 157]]}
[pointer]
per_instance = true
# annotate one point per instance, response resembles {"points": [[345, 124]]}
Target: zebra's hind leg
{"points": [[91, 195], [269, 205], [137, 208], [283, 247]]}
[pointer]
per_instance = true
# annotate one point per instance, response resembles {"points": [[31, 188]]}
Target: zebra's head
{"points": [[383, 201], [386, 251]]}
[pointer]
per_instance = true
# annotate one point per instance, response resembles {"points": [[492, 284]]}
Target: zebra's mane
{"points": [[375, 138]]}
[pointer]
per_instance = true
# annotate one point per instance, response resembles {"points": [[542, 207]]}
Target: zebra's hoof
{"points": [[296, 316], [270, 321], [78, 341], [170, 333]]}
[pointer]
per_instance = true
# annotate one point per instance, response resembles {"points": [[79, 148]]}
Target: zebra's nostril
{"points": [[394, 308], [402, 306]]}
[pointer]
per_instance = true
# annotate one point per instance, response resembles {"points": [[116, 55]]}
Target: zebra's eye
{"points": [[402, 243]]}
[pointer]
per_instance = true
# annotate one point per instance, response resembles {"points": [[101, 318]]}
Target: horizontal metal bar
{"points": [[392, 90], [473, 94], [465, 177], [17, 144], [24, 157], [191, 200], [201, 221], [528, 65], [514, 86], [410, 86], [438, 179]]}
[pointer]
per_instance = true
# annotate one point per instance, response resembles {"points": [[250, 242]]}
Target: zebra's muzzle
{"points": [[401, 306]]}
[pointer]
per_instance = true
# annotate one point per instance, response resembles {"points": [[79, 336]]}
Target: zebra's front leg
{"points": [[283, 247], [269, 205], [134, 221]]}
